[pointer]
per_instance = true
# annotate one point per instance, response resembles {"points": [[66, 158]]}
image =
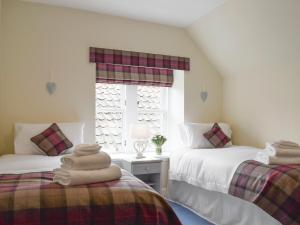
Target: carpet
{"points": [[187, 217]]}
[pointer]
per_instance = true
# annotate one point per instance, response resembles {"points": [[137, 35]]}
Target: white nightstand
{"points": [[152, 170]]}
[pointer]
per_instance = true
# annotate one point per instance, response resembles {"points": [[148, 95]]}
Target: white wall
{"points": [[255, 46], [175, 110], [38, 39]]}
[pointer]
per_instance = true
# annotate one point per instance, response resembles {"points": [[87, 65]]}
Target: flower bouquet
{"points": [[158, 141]]}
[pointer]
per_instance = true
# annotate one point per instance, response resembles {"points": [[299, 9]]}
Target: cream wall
{"points": [[255, 46], [38, 39], [1, 77]]}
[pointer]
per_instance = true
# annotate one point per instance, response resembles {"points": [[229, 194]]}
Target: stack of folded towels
{"points": [[86, 165], [280, 152]]}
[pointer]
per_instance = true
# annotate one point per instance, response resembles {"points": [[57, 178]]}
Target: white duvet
{"points": [[211, 169], [17, 164]]}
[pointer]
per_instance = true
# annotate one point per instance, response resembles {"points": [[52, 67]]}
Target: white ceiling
{"points": [[179, 13]]}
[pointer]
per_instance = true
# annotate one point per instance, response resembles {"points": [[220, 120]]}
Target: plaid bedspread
{"points": [[274, 188], [33, 199]]}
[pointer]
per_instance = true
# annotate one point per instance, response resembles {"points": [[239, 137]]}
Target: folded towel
{"points": [[78, 177], [284, 160], [265, 158], [285, 144], [284, 152], [86, 149], [89, 162]]}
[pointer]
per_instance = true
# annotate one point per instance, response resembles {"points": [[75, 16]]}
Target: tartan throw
{"points": [[273, 188], [119, 74], [216, 136], [33, 199], [52, 141], [120, 57]]}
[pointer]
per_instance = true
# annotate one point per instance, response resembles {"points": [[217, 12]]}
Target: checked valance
{"points": [[120, 57], [127, 67]]}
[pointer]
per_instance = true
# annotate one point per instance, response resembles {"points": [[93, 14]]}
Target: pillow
{"points": [[23, 132], [216, 136], [52, 141], [192, 134], [183, 134]]}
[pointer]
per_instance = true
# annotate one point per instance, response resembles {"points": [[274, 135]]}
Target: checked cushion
{"points": [[52, 141], [216, 136]]}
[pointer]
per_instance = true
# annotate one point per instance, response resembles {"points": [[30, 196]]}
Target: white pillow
{"points": [[183, 134], [25, 131], [192, 134]]}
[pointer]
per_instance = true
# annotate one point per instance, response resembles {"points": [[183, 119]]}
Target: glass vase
{"points": [[158, 150]]}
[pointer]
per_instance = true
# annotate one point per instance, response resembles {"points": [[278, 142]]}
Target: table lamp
{"points": [[140, 132]]}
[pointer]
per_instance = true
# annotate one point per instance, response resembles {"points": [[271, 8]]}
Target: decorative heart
{"points": [[51, 87], [204, 95]]}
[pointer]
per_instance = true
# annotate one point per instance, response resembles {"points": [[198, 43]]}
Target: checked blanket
{"points": [[273, 188], [33, 199]]}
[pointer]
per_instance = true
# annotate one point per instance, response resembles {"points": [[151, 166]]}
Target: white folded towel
{"points": [[284, 152], [89, 162], [86, 149], [78, 177], [285, 144], [284, 160], [265, 158]]}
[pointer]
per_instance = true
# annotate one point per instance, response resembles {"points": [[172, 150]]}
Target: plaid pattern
{"points": [[119, 74], [274, 188], [120, 57], [52, 141], [33, 199], [216, 136]]}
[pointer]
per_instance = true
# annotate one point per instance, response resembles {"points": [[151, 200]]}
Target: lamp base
{"points": [[140, 147], [140, 155]]}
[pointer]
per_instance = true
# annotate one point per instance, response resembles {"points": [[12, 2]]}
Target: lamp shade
{"points": [[140, 131]]}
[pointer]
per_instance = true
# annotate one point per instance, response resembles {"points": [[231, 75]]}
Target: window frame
{"points": [[130, 110]]}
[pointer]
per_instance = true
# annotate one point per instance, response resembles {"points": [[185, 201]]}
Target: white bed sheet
{"points": [[211, 169], [219, 208], [17, 164]]}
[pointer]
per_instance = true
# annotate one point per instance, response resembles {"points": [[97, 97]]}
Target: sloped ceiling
{"points": [[171, 12], [255, 46], [251, 38]]}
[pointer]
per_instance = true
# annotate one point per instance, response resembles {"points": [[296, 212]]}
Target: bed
{"points": [[202, 180], [28, 196]]}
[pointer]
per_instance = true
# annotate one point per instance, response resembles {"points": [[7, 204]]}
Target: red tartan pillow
{"points": [[216, 136], [52, 141]]}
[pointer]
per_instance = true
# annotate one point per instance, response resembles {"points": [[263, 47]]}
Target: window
{"points": [[119, 106], [109, 116], [151, 108]]}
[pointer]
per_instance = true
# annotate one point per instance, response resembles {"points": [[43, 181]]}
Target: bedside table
{"points": [[151, 170]]}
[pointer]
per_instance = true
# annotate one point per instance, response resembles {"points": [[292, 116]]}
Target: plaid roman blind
{"points": [[119, 74], [126, 67]]}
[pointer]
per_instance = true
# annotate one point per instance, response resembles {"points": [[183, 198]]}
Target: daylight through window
{"points": [[118, 106]]}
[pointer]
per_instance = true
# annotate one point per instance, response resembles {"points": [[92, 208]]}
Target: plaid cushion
{"points": [[216, 136], [52, 141]]}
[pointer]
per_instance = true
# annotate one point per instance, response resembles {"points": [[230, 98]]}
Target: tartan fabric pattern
{"points": [[33, 199], [120, 57], [52, 141], [120, 74], [216, 136], [273, 188]]}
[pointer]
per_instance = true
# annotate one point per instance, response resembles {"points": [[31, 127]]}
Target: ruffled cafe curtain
{"points": [[125, 67]]}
